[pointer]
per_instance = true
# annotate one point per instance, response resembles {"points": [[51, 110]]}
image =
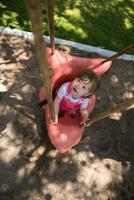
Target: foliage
{"points": [[108, 24]]}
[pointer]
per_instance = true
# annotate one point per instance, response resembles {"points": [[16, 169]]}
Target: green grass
{"points": [[108, 24]]}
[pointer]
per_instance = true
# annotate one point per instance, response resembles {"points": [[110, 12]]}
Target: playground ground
{"points": [[100, 167]]}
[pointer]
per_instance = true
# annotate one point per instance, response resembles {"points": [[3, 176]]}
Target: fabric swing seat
{"points": [[67, 133]]}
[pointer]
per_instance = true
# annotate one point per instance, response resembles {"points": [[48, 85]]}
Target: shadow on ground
{"points": [[100, 166]]}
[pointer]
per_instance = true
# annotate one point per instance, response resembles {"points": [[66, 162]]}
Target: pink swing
{"points": [[67, 133]]}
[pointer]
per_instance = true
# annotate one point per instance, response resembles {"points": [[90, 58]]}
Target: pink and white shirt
{"points": [[69, 103]]}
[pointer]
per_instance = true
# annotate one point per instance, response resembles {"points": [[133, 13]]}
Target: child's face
{"points": [[80, 88]]}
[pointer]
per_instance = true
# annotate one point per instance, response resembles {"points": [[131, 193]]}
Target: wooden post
{"points": [[33, 7]]}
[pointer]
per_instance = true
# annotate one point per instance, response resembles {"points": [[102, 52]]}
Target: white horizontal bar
{"points": [[100, 51]]}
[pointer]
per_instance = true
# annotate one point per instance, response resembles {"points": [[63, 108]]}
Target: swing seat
{"points": [[67, 133]]}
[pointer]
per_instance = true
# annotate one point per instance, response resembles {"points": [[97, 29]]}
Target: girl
{"points": [[73, 97]]}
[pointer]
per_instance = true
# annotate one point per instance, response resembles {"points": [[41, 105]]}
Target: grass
{"points": [[108, 24]]}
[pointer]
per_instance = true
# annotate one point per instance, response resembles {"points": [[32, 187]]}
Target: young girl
{"points": [[73, 97]]}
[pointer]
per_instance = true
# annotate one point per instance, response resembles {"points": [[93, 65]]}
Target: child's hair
{"points": [[92, 77]]}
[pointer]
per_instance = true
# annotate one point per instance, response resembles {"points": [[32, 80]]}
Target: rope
{"points": [[126, 50], [36, 21], [126, 105], [50, 16]]}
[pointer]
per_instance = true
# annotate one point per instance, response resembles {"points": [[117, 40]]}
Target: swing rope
{"points": [[112, 58], [50, 17], [33, 8], [126, 105]]}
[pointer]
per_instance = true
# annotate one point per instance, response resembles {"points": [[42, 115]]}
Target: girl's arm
{"points": [[87, 109], [60, 94], [84, 114], [56, 109]]}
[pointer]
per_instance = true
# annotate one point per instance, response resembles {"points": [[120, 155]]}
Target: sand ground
{"points": [[100, 167]]}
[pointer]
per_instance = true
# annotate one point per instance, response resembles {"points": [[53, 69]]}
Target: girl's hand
{"points": [[84, 123], [54, 121]]}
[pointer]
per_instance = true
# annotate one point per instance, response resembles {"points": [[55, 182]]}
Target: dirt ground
{"points": [[100, 167]]}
